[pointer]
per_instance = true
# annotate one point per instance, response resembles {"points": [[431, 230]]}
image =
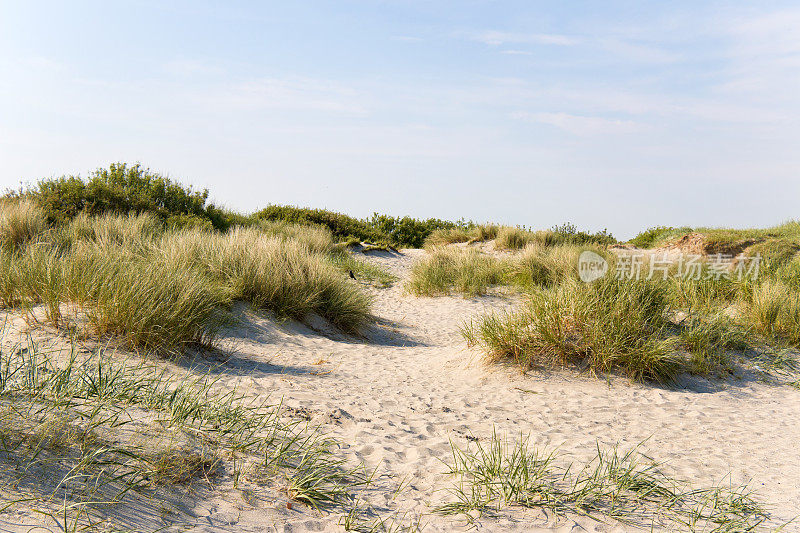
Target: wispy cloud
{"points": [[579, 124], [192, 67], [516, 52], [497, 38], [290, 94]]}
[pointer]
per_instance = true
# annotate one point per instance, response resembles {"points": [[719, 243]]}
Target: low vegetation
{"points": [[646, 329], [624, 486], [509, 238], [467, 271], [604, 326], [470, 272], [471, 234], [73, 447], [776, 245]]}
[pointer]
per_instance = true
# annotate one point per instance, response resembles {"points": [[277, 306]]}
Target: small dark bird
{"points": [[352, 275]]}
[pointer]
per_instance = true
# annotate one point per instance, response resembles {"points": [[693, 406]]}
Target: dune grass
{"points": [[625, 486], [21, 221], [773, 309], [476, 233], [158, 289], [604, 326], [445, 269], [510, 238], [442, 237], [649, 330], [70, 436]]}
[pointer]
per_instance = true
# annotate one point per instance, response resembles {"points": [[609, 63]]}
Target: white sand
{"points": [[397, 399]]}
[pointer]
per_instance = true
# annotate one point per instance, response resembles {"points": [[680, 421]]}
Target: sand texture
{"points": [[396, 399]]}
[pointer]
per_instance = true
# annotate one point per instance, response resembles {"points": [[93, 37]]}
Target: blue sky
{"points": [[611, 114]]}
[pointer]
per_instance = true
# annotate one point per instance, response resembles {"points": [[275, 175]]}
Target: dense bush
{"points": [[124, 188], [341, 226], [409, 232], [403, 232]]}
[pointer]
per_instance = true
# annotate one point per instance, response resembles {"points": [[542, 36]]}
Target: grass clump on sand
{"points": [[476, 233], [509, 238], [603, 326], [21, 221], [465, 270], [538, 266], [773, 309], [159, 289], [72, 445], [624, 486], [282, 275]]}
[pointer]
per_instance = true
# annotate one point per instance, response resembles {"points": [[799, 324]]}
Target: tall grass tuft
{"points": [[442, 237], [603, 326], [708, 337], [774, 310], [318, 239], [21, 221], [509, 238], [274, 273], [445, 269], [151, 303]]}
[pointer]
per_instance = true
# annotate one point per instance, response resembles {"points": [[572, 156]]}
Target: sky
{"points": [[617, 115]]}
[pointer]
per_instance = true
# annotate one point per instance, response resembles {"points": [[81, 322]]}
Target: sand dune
{"points": [[396, 399]]}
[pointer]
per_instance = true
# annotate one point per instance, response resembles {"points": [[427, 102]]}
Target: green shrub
{"points": [[569, 234], [409, 232], [341, 226], [403, 232], [186, 221], [121, 189], [465, 270]]}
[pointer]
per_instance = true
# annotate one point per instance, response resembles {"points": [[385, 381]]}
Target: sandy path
{"points": [[396, 401]]}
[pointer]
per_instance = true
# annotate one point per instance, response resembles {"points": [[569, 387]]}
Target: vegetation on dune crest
{"points": [[509, 238], [465, 270], [649, 330], [403, 232], [158, 288]]}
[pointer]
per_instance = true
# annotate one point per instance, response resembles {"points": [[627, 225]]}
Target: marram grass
{"points": [[159, 290]]}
